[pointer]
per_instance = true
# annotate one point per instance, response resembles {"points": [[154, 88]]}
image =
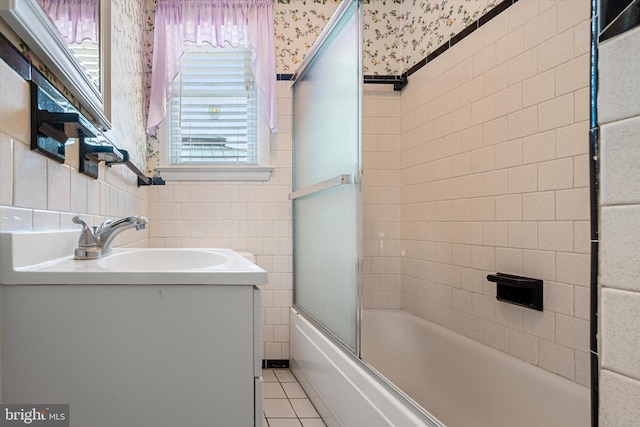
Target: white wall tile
{"points": [[572, 140], [620, 155], [572, 75], [573, 204], [523, 179], [542, 27], [15, 219], [523, 123], [523, 346], [620, 267], [555, 174], [539, 264], [540, 324], [559, 298], [508, 100], [572, 332], [555, 51], [539, 147], [619, 332], [46, 220], [6, 170], [30, 178], [538, 88], [619, 397], [618, 76], [555, 235], [58, 187], [539, 206], [555, 113], [508, 207], [557, 358], [523, 66], [15, 106]]}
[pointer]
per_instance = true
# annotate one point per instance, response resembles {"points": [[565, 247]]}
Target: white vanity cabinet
{"points": [[135, 354]]}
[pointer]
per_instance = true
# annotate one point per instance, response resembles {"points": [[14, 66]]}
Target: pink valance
{"points": [[77, 20], [220, 23]]}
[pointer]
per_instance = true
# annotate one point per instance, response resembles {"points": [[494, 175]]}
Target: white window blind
{"points": [[88, 55], [213, 117]]}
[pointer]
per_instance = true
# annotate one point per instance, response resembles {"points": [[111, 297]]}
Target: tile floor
{"points": [[285, 402]]}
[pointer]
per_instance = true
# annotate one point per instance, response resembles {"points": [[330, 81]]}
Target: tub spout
{"points": [[95, 242]]}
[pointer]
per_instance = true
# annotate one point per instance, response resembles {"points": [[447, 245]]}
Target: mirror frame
{"points": [[33, 26]]}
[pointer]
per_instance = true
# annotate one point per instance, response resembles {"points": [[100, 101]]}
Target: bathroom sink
{"points": [[162, 260], [53, 263]]}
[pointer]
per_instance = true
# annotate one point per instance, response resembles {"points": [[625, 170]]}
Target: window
{"points": [[213, 120]]}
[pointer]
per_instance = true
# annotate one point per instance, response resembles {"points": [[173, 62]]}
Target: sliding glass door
{"points": [[326, 193]]}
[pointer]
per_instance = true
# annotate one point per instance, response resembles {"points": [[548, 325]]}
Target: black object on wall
{"points": [[53, 121], [617, 17], [523, 291]]}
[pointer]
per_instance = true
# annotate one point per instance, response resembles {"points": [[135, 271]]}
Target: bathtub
{"points": [[460, 382]]}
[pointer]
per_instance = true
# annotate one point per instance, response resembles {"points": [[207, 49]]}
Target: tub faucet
{"points": [[95, 242]]}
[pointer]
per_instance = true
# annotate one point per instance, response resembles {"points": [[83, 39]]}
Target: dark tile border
{"points": [[275, 363], [284, 77], [495, 11], [14, 59]]}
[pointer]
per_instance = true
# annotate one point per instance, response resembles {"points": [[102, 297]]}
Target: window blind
{"points": [[88, 55], [214, 108]]}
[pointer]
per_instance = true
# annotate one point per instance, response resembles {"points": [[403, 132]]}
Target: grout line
{"points": [[288, 378]]}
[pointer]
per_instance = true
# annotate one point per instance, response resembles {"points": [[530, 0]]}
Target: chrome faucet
{"points": [[95, 242]]}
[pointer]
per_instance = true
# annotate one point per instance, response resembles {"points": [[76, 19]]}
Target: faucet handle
{"points": [[104, 224], [87, 237]]}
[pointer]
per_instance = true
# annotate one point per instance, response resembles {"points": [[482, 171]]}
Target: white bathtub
{"points": [[461, 382]]}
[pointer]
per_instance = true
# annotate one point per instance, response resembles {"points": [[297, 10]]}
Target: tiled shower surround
{"points": [[493, 145], [495, 178]]}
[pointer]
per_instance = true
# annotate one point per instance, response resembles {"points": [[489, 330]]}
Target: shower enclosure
{"points": [[327, 179], [327, 210], [384, 366]]}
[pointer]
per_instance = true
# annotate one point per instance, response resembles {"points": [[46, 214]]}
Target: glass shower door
{"points": [[326, 178]]}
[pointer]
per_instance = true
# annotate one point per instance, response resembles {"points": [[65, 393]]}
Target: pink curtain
{"points": [[77, 20], [247, 23]]}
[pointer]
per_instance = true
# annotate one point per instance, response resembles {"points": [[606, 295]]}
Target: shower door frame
{"points": [[354, 178], [354, 356]]}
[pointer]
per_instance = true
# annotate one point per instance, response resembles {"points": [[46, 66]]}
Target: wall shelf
{"points": [[519, 290]]}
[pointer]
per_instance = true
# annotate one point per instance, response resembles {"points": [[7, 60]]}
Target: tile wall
{"points": [[251, 216], [38, 193], [494, 158], [619, 120], [381, 197]]}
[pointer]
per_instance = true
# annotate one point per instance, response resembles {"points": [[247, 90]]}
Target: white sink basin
{"points": [[32, 258], [162, 260]]}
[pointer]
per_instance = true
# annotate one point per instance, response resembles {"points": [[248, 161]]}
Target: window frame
{"points": [[260, 171]]}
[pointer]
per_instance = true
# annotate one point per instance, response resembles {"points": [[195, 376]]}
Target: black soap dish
{"points": [[519, 290]]}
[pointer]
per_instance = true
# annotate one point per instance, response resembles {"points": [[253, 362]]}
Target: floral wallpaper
{"points": [[397, 33], [297, 25], [127, 90]]}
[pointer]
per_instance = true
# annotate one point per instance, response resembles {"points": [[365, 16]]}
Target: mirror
{"points": [[89, 83]]}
